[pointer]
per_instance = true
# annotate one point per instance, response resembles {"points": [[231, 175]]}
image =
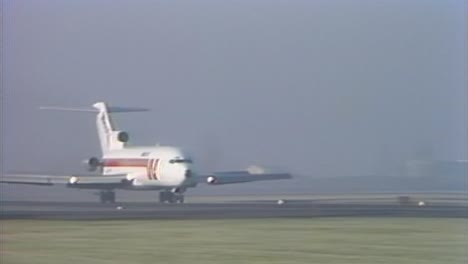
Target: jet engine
{"points": [[118, 139], [211, 180], [93, 163], [122, 136]]}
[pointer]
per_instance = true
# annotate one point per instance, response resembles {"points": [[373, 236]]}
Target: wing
{"points": [[72, 181], [32, 179], [250, 175]]}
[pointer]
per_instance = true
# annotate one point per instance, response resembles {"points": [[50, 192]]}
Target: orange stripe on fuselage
{"points": [[125, 162]]}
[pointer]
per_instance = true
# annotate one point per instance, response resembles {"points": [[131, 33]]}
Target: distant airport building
{"points": [[437, 168]]}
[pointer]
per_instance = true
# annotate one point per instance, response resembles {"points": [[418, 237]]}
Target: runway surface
{"points": [[254, 209]]}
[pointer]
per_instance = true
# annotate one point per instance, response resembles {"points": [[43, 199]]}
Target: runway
{"points": [[254, 209]]}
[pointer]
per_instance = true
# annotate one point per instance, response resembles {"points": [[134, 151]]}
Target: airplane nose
{"points": [[188, 173]]}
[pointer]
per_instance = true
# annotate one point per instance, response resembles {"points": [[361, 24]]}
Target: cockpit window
{"points": [[180, 160]]}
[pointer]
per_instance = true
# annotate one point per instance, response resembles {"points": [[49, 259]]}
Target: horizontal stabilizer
{"points": [[110, 109]]}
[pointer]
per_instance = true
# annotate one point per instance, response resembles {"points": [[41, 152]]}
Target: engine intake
{"points": [[123, 137], [211, 180], [93, 163]]}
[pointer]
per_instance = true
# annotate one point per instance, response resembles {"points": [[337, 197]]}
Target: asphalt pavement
{"points": [[254, 209]]}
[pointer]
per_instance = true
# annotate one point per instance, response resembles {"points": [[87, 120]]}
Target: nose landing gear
{"points": [[171, 197]]}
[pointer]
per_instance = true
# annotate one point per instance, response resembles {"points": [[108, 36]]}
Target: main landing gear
{"points": [[171, 197], [107, 196]]}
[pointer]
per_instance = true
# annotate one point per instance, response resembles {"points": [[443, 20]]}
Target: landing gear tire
{"points": [[107, 196], [170, 197]]}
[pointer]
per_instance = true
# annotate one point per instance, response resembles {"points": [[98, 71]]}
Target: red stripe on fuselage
{"points": [[125, 162], [155, 169]]}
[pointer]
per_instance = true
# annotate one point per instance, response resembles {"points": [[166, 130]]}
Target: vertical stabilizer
{"points": [[105, 127], [109, 138]]}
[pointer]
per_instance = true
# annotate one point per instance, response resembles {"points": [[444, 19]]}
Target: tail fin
{"points": [[109, 137], [105, 128]]}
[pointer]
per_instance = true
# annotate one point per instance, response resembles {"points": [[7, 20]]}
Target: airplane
{"points": [[167, 169]]}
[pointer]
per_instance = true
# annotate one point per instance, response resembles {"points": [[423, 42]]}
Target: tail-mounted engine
{"points": [[93, 164], [118, 139], [122, 136]]}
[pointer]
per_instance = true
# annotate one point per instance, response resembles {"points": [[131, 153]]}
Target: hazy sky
{"points": [[320, 88]]}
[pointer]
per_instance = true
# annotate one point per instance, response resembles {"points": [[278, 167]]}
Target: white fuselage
{"points": [[151, 167]]}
